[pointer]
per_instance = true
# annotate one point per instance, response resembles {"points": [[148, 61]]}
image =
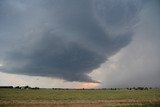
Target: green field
{"points": [[49, 94], [102, 97]]}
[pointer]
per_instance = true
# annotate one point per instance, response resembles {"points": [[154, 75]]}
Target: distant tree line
{"points": [[132, 88], [139, 88], [36, 88], [19, 87], [6, 86]]}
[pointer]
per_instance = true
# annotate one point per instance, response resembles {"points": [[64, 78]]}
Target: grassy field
{"points": [[77, 97], [49, 94], [141, 105]]}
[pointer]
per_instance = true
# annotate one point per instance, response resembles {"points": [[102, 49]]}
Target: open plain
{"points": [[78, 98]]}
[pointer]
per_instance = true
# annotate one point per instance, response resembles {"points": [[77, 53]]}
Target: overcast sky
{"points": [[80, 43]]}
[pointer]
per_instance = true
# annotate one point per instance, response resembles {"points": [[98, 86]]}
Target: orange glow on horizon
{"points": [[88, 85]]}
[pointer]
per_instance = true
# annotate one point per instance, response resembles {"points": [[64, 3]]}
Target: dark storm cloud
{"points": [[63, 38]]}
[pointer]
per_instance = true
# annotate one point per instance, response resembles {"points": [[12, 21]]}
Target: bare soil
{"points": [[97, 103]]}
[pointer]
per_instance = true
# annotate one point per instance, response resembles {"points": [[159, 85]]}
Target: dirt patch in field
{"points": [[97, 103]]}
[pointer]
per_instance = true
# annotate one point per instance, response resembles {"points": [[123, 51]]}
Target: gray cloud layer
{"points": [[63, 38], [136, 65]]}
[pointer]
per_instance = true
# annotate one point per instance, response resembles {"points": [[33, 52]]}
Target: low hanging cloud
{"points": [[65, 39]]}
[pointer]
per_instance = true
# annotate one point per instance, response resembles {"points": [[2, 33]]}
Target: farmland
{"points": [[77, 98]]}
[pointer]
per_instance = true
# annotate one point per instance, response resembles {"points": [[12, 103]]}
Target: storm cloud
{"points": [[65, 39]]}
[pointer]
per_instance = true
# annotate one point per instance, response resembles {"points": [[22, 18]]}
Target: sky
{"points": [[80, 43]]}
